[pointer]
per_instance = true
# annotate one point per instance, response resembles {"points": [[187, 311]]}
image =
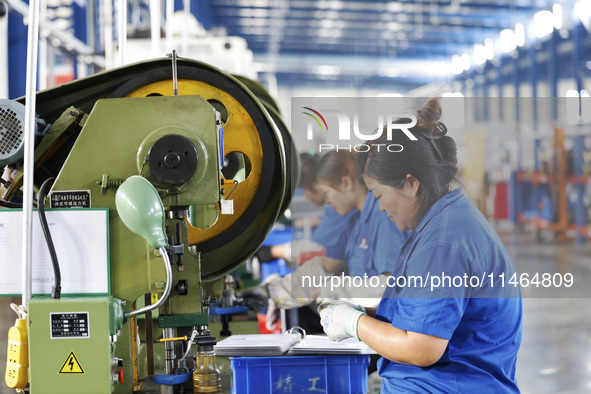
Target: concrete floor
{"points": [[555, 355]]}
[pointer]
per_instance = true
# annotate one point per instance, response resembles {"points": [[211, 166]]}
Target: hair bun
{"points": [[428, 116]]}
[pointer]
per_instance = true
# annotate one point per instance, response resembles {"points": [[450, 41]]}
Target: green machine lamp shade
{"points": [[141, 210]]}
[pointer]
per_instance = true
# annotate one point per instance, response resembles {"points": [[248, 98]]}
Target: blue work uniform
{"points": [[370, 242], [331, 227], [482, 320]]}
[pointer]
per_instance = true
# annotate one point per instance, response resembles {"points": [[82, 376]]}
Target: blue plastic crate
{"points": [[300, 374]]}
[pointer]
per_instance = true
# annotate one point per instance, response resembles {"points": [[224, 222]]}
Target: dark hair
{"points": [[334, 165], [308, 166], [431, 159]]}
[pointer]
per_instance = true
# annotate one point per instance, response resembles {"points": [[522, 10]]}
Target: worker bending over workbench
{"points": [[442, 335]]}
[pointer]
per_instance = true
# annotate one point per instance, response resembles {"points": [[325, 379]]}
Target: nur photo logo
{"points": [[316, 118], [348, 130]]}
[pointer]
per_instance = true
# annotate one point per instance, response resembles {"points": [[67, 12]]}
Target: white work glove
{"points": [[287, 296], [339, 319], [279, 289]]}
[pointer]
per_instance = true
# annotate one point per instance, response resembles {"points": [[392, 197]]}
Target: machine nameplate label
{"points": [[70, 199], [70, 325], [71, 366]]}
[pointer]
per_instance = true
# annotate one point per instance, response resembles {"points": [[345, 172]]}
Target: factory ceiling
{"points": [[407, 43]]}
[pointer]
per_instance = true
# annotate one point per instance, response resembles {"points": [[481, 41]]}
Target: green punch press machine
{"points": [[184, 171]]}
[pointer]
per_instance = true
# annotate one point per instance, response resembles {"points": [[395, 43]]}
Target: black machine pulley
{"points": [[173, 160]]}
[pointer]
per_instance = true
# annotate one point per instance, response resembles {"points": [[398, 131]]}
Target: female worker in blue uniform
{"points": [[370, 239], [325, 233], [364, 249], [460, 329], [332, 224]]}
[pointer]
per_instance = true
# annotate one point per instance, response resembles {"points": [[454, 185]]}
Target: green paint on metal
{"points": [[116, 316], [189, 304], [123, 351], [47, 355], [115, 141]]}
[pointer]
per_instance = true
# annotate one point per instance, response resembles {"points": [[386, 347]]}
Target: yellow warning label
{"points": [[71, 366]]}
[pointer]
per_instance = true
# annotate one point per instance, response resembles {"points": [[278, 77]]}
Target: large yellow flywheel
{"points": [[240, 135], [249, 130]]}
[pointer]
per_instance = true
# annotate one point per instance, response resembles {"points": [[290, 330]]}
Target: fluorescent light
{"points": [[394, 26], [479, 54], [466, 61], [508, 40], [572, 93], [489, 48], [456, 64], [336, 5], [520, 35], [326, 70], [543, 23], [390, 72], [557, 16], [583, 9], [394, 7]]}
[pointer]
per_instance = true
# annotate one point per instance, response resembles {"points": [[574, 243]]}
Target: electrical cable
{"points": [[57, 280], [8, 204]]}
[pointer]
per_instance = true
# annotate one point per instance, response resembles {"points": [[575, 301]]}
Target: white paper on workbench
{"points": [[321, 344], [256, 345]]}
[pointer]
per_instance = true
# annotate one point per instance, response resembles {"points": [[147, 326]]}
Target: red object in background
{"points": [[63, 78], [305, 256], [501, 206], [262, 319]]}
